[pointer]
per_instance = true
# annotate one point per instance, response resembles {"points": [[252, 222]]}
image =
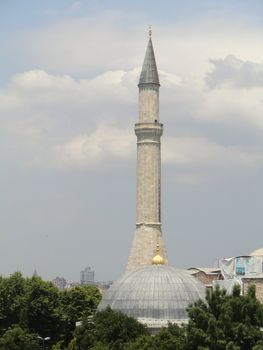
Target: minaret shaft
{"points": [[148, 173], [148, 204], [149, 105], [148, 132]]}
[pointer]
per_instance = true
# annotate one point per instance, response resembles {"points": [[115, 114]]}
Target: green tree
{"points": [[114, 328], [145, 342], [100, 346], [73, 345], [225, 321], [258, 346], [58, 345], [31, 303], [36, 306], [108, 328], [12, 302], [44, 316], [170, 338], [17, 338], [76, 304]]}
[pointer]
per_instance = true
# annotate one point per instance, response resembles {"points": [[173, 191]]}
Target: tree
{"points": [[12, 302], [225, 321], [100, 346], [44, 316], [36, 306], [31, 303], [76, 304], [73, 345], [170, 338], [258, 346], [144, 342], [18, 339], [114, 328], [58, 345], [108, 328]]}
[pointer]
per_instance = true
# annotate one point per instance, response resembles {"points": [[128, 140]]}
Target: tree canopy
{"points": [[108, 328], [226, 321], [232, 322], [31, 308]]}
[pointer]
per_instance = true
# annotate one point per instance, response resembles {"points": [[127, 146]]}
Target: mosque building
{"points": [[151, 290]]}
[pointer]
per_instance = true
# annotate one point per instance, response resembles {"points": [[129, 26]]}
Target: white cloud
{"points": [[89, 121], [204, 152], [37, 103], [88, 45], [81, 45], [108, 142], [103, 57], [232, 106], [39, 79], [169, 80], [104, 143], [233, 72]]}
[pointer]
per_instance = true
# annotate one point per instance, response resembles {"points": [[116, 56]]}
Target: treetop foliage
{"points": [[31, 308]]}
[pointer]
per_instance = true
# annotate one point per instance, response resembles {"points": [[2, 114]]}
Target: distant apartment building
{"points": [[87, 276], [59, 282]]}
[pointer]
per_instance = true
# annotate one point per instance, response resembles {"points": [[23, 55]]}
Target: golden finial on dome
{"points": [[158, 259]]}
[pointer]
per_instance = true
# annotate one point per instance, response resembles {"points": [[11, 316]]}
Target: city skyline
{"points": [[68, 102]]}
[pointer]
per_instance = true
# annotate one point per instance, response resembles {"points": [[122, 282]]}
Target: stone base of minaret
{"points": [[144, 246]]}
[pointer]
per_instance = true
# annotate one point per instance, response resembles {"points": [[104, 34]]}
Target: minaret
{"points": [[148, 232]]}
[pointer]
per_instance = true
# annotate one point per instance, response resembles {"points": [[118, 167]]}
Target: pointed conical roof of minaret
{"points": [[149, 74]]}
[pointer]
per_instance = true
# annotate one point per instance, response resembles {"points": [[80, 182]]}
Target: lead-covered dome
{"points": [[154, 294]]}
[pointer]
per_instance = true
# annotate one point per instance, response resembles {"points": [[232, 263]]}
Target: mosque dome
{"points": [[154, 294], [258, 252]]}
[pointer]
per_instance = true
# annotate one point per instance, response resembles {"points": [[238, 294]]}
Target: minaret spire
{"points": [[149, 73], [148, 131], [150, 30]]}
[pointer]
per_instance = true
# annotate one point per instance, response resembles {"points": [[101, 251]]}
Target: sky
{"points": [[68, 104]]}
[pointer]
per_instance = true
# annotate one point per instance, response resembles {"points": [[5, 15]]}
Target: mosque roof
{"points": [[206, 270], [154, 294], [149, 73]]}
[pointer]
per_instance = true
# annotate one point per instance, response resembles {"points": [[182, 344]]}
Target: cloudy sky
{"points": [[68, 103]]}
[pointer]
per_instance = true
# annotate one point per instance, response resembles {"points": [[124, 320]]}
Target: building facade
{"points": [[87, 276], [59, 282]]}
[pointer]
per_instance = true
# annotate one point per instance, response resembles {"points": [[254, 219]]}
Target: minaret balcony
{"points": [[151, 131]]}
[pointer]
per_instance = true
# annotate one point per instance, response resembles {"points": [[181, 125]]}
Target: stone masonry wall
{"points": [[148, 183], [207, 278], [259, 286], [144, 246], [148, 105]]}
